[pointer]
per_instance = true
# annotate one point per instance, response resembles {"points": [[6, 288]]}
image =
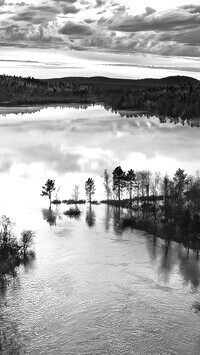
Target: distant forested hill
{"points": [[175, 96]]}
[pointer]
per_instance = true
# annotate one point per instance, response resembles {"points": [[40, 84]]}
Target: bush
{"points": [[73, 202], [73, 212], [56, 202]]}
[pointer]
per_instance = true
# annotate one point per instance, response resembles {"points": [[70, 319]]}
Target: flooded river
{"points": [[93, 288]]}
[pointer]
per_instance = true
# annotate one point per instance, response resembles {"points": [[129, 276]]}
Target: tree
{"points": [[130, 180], [118, 181], [26, 241], [179, 182], [48, 188], [89, 189], [107, 182], [75, 193]]}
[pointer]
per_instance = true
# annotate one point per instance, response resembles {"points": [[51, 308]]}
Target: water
{"points": [[93, 288]]}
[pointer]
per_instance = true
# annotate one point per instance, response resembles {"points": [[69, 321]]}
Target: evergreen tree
{"points": [[48, 188], [89, 189], [118, 181]]}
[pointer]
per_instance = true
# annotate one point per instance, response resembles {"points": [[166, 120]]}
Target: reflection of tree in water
{"points": [[90, 217], [152, 247], [166, 262], [166, 256], [108, 217], [189, 267], [117, 215], [50, 216]]}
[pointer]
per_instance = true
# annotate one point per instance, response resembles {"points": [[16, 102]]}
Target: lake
{"points": [[93, 288]]}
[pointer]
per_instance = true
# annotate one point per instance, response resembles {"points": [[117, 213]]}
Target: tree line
{"points": [[174, 97], [170, 205]]}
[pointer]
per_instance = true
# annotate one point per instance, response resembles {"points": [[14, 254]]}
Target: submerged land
{"points": [[176, 96]]}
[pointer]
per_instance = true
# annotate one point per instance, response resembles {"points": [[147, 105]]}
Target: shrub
{"points": [[73, 212]]}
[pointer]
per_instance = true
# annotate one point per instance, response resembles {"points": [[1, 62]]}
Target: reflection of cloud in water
{"points": [[69, 140]]}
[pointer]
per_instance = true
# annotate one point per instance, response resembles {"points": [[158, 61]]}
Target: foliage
{"points": [[73, 212], [12, 251], [75, 193], [72, 202], [48, 188], [56, 202], [27, 238], [118, 181], [90, 189]]}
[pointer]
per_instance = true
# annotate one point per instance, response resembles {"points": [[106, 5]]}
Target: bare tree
{"points": [[75, 193]]}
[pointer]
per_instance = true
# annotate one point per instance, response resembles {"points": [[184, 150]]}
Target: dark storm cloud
{"points": [[72, 28], [2, 2]]}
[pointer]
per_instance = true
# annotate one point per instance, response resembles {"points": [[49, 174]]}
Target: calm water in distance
{"points": [[93, 289]]}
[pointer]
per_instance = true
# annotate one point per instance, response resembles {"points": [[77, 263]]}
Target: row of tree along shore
{"points": [[176, 96], [158, 204], [165, 207]]}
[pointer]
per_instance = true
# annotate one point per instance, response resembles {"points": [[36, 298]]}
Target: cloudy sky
{"points": [[125, 38]]}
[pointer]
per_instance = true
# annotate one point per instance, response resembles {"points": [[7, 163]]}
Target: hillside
{"points": [[175, 96]]}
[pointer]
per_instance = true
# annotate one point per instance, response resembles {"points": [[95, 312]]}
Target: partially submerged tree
{"points": [[130, 183], [48, 188], [75, 193], [89, 189], [118, 181], [179, 182], [26, 241], [6, 229]]}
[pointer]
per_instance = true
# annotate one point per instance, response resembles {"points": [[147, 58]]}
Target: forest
{"points": [[175, 97]]}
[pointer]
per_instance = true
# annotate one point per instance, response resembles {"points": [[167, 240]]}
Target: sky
{"points": [[126, 38]]}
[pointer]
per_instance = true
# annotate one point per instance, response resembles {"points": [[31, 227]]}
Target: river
{"points": [[93, 288]]}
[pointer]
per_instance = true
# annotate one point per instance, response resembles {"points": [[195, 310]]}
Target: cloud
{"points": [[68, 9], [5, 163], [100, 3], [173, 32], [176, 19], [27, 35], [89, 20], [36, 14], [2, 2], [72, 28]]}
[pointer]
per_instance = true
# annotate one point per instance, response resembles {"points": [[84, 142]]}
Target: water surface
{"points": [[93, 288]]}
